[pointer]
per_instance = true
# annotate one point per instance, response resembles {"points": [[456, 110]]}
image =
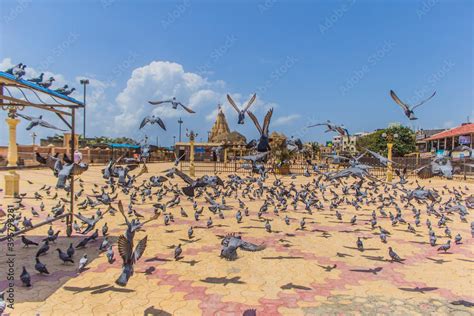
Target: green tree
{"points": [[404, 144]]}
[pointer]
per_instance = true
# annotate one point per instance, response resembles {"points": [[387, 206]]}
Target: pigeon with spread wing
{"points": [[239, 111], [152, 120], [264, 142], [231, 243], [174, 103], [38, 121], [128, 253], [407, 109]]}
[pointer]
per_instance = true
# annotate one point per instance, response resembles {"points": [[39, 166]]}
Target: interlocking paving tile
{"points": [[292, 276]]}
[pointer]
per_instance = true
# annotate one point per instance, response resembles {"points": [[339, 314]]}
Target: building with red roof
{"points": [[451, 138]]}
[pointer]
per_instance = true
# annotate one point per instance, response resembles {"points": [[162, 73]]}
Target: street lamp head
{"points": [[84, 81]]}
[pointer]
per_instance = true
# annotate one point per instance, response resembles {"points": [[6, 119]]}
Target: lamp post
{"points": [[84, 82], [33, 135], [192, 135], [389, 137], [180, 122]]}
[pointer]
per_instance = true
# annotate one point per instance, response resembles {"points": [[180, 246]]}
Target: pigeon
{"points": [[360, 245], [43, 249], [3, 305], [104, 245], [268, 227], [64, 257], [177, 252], [70, 251], [27, 242], [82, 263], [174, 103], [13, 69], [129, 254], [445, 247], [68, 91], [40, 267], [231, 243], [82, 243], [25, 277], [393, 255], [46, 84], [264, 142], [152, 120], [37, 79], [110, 254], [240, 112], [105, 229], [331, 127], [38, 121], [407, 109], [61, 90], [18, 71]]}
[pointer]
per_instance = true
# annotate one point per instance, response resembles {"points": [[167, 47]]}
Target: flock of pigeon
{"points": [[19, 71], [420, 210]]}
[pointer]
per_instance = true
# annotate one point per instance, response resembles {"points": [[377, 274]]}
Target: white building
{"points": [[347, 143]]}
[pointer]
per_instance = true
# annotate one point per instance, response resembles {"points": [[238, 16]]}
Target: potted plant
{"points": [[282, 160]]}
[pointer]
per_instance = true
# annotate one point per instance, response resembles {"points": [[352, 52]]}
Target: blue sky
{"points": [[311, 61]]}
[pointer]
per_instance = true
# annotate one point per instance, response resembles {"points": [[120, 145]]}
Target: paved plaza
{"points": [[315, 270]]}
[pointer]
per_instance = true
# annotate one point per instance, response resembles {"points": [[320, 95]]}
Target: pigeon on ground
{"points": [[25, 277], [231, 243], [40, 267], [445, 247], [393, 255], [83, 262], [27, 242], [177, 252], [63, 256]]}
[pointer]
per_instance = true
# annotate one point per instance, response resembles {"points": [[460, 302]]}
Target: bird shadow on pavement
{"points": [[100, 289], [417, 289], [282, 257], [223, 280]]}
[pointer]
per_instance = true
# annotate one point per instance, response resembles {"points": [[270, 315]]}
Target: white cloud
{"points": [[120, 114], [285, 120], [161, 80]]}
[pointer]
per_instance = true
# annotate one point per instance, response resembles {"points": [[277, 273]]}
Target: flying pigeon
{"points": [[152, 120], [407, 109], [264, 142], [38, 121], [239, 111], [174, 104], [331, 127]]}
